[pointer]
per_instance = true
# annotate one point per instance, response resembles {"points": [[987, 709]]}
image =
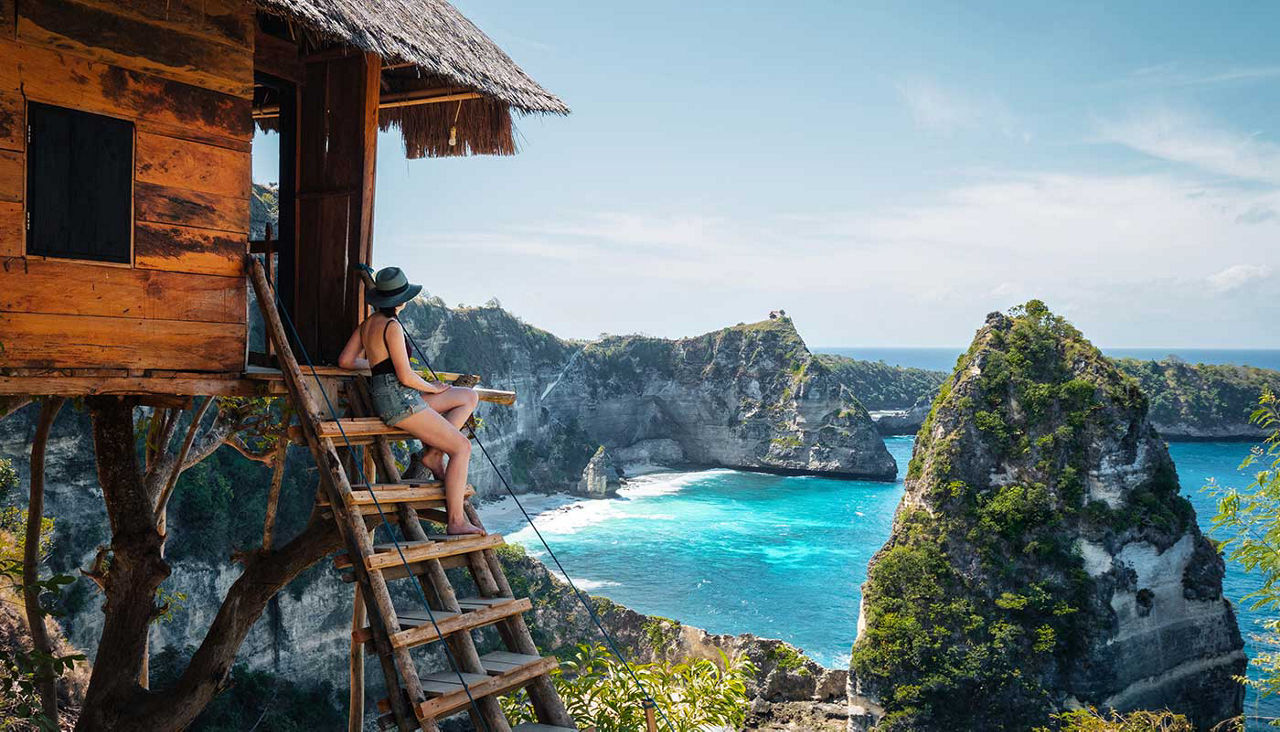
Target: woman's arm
{"points": [[400, 359], [352, 356]]}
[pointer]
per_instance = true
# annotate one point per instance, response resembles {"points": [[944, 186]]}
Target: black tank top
{"points": [[385, 366]]}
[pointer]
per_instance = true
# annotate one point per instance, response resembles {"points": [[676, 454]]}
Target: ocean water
{"points": [[944, 359], [777, 556]]}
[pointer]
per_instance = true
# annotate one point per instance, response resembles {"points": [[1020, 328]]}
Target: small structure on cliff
{"points": [[126, 135], [1041, 558]]}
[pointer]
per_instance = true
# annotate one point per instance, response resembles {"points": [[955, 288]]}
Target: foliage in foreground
{"points": [[599, 692], [1249, 519], [1089, 720], [22, 669]]}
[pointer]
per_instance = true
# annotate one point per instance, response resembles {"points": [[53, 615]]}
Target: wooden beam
{"points": [[277, 57], [73, 386], [390, 100], [411, 99]]}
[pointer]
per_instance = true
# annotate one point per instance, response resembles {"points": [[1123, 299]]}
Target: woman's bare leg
{"points": [[455, 404], [435, 431]]}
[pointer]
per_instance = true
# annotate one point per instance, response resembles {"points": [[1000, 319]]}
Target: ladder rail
{"points": [[333, 480]]}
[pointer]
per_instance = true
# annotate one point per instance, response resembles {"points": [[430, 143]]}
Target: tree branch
{"points": [[265, 574], [46, 682], [176, 470]]}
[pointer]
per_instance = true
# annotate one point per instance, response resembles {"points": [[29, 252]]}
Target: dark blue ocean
{"points": [[944, 359], [781, 557]]}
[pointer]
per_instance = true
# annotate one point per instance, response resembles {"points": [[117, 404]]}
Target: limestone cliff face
{"points": [[750, 397], [1041, 557]]}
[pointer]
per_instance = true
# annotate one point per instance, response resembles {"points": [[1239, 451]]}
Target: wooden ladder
{"points": [[416, 700]]}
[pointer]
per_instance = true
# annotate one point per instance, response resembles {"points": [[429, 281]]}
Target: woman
{"points": [[381, 345]]}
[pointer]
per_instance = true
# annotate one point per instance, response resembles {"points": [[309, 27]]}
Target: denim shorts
{"points": [[394, 401]]}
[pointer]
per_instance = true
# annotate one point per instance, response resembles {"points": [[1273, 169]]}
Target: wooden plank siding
{"points": [[85, 341], [182, 72], [178, 163], [72, 288], [13, 115], [155, 103], [187, 249], [142, 45], [12, 171]]}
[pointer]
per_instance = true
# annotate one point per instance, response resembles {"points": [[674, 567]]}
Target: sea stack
{"points": [[1041, 558]]}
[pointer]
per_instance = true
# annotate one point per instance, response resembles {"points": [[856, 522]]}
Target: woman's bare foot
{"points": [[433, 460], [462, 528]]}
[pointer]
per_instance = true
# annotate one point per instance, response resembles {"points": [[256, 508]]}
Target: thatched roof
{"points": [[430, 34]]}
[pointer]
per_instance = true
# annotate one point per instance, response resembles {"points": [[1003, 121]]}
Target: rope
{"points": [[564, 573], [382, 515]]}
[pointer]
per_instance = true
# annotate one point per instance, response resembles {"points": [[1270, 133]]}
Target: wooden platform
{"points": [[254, 381]]}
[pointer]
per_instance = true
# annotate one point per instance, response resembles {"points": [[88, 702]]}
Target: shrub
{"points": [[600, 692]]}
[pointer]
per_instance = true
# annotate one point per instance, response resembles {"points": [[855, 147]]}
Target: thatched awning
{"points": [[438, 48]]}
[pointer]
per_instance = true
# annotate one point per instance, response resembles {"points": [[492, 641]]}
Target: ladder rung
{"points": [[500, 662], [416, 628], [448, 697], [386, 555], [425, 632], [390, 493], [456, 700]]}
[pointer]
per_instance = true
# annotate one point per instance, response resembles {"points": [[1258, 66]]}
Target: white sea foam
{"points": [[563, 515]]}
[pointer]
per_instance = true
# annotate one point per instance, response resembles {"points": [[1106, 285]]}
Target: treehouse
{"points": [[127, 134], [126, 139]]}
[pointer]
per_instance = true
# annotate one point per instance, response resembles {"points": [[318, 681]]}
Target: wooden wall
{"points": [[182, 72]]}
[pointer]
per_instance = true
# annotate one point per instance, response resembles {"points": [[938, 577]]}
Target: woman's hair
{"points": [[389, 312]]}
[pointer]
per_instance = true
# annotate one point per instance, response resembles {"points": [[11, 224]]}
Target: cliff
{"points": [[750, 397], [1041, 557], [1202, 401]]}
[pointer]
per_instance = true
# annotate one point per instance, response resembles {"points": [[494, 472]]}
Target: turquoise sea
{"points": [[777, 556]]}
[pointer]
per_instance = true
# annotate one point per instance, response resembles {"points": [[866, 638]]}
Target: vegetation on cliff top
{"points": [[1209, 399], [981, 595], [882, 386]]}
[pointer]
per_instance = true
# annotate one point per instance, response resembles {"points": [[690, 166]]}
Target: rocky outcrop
{"points": [[1041, 558], [750, 397], [600, 479], [1202, 401]]}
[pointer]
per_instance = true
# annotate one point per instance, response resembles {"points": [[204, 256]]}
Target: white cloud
{"points": [[947, 111], [1184, 138], [1175, 75], [1237, 276], [1125, 256]]}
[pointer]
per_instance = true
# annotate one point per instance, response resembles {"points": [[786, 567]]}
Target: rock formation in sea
{"points": [[1041, 557], [750, 396], [600, 479]]}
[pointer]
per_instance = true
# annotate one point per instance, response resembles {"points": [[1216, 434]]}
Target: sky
{"points": [[887, 172]]}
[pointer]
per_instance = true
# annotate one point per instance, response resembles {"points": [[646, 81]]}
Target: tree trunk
{"points": [[115, 700], [48, 683], [135, 571]]}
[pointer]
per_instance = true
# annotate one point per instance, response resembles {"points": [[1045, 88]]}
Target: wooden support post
{"points": [[377, 598], [355, 717], [650, 724], [337, 152]]}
